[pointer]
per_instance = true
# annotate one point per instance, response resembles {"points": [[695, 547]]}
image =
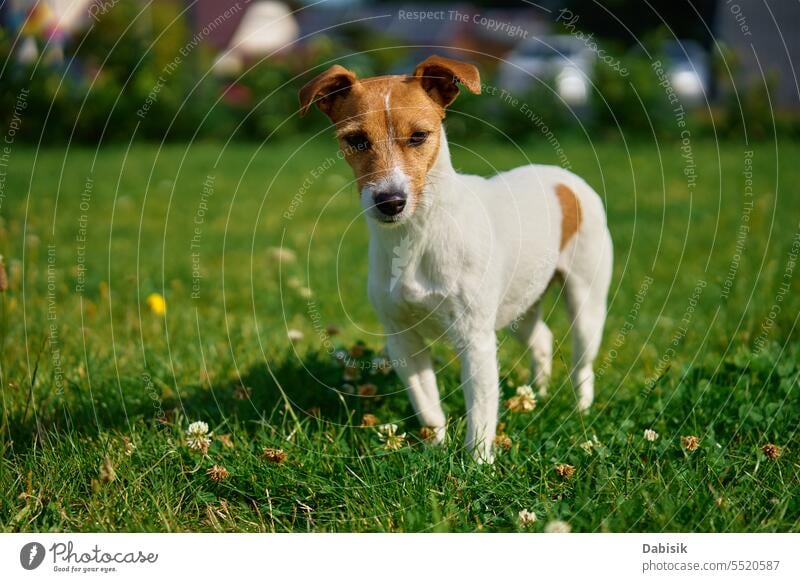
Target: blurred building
{"points": [[765, 36]]}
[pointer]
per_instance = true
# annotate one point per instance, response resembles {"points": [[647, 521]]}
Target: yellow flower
{"points": [[157, 303]]}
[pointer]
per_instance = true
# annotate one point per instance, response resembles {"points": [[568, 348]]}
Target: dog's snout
{"points": [[390, 203]]}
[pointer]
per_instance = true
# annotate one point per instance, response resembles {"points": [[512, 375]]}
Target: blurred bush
{"points": [[122, 79]]}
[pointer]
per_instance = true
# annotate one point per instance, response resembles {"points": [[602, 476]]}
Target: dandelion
{"points": [[389, 437], [771, 451], [526, 518], [277, 456], [294, 335], [503, 441], [565, 471], [197, 437], [650, 435], [524, 401], [157, 303], [557, 526], [218, 473], [690, 443], [283, 254], [369, 420]]}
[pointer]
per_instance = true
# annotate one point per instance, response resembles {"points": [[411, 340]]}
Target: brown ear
{"points": [[326, 88], [440, 77]]}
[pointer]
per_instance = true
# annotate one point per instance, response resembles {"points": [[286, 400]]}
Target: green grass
{"points": [[82, 371]]}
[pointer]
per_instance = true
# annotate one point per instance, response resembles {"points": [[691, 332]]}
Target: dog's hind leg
{"points": [[411, 359], [534, 334], [586, 283]]}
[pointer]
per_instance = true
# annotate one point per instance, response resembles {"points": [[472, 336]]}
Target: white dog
{"points": [[461, 256]]}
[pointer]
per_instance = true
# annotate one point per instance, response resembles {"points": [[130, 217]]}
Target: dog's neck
{"points": [[437, 195]]}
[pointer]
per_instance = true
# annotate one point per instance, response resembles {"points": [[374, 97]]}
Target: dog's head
{"points": [[389, 128]]}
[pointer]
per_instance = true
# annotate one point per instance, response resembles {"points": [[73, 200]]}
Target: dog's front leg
{"points": [[480, 382], [412, 362]]}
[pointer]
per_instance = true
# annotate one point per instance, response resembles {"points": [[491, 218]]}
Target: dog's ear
{"points": [[325, 89], [440, 77]]}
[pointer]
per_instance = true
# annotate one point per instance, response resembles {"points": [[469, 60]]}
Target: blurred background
{"points": [[218, 69]]}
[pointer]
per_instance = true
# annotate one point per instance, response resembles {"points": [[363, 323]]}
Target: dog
{"points": [[459, 256]]}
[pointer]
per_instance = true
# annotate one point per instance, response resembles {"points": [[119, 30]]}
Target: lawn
{"points": [[99, 387]]}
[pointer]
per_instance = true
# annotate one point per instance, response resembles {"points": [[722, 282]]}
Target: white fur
{"points": [[477, 256]]}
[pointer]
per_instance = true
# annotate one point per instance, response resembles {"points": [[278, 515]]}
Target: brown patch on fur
{"points": [[571, 213]]}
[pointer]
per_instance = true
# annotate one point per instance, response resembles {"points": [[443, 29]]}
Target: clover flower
{"points": [[557, 526], [503, 441], [198, 438], [218, 473], [650, 435], [565, 471], [771, 451], [526, 518], [274, 455], [523, 401], [388, 435], [690, 443]]}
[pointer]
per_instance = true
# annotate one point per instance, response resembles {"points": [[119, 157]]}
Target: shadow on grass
{"points": [[323, 387]]}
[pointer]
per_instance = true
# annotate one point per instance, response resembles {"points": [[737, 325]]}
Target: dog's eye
{"points": [[418, 138], [358, 141]]}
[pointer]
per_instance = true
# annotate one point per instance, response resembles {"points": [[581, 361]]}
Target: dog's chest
{"points": [[414, 295]]}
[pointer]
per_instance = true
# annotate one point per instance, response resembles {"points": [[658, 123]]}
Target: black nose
{"points": [[390, 203]]}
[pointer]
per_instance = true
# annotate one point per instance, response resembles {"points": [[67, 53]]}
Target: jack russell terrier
{"points": [[477, 254]]}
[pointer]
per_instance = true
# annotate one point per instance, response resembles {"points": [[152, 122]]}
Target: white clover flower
{"points": [[295, 335], [283, 254], [590, 446], [524, 401], [198, 438], [526, 518], [389, 437], [650, 435], [558, 526]]}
